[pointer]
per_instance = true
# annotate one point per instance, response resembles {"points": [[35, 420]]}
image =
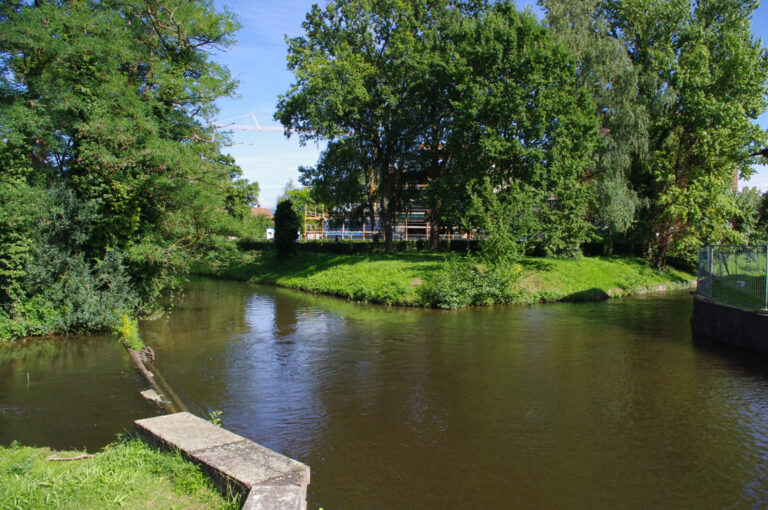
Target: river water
{"points": [[588, 405]]}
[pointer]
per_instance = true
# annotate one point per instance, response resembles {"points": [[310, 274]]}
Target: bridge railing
{"points": [[734, 275]]}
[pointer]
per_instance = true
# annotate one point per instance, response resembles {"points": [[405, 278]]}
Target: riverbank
{"points": [[425, 279], [126, 474]]}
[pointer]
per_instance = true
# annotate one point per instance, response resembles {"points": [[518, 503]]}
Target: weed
{"points": [[127, 331], [215, 417]]}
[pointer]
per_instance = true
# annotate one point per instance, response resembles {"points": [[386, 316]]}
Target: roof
{"points": [[261, 211]]}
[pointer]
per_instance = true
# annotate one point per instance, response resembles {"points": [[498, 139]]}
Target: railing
{"points": [[735, 275]]}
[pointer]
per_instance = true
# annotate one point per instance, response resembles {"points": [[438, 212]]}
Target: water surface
{"points": [[596, 405]]}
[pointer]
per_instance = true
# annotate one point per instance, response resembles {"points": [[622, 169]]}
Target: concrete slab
{"points": [[187, 432], [273, 481], [152, 396], [268, 498], [252, 464]]}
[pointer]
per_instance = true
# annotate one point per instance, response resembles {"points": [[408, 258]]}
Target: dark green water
{"points": [[600, 405]]}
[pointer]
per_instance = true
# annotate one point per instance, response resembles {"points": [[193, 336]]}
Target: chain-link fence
{"points": [[734, 275]]}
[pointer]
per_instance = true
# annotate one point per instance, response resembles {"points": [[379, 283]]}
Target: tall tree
{"points": [[352, 69], [439, 80], [528, 129], [111, 101], [702, 81], [444, 93], [604, 68]]}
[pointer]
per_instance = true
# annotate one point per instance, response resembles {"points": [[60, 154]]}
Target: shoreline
{"points": [[402, 279]]}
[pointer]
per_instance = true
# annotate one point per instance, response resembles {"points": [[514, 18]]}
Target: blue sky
{"points": [[258, 62]]}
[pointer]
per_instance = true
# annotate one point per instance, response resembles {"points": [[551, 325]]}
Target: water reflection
{"points": [[598, 405], [68, 392]]}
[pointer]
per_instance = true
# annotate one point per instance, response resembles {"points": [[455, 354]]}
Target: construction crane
{"points": [[249, 127]]}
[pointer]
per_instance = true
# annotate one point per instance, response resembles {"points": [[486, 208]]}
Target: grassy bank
{"points": [[127, 474], [429, 279]]}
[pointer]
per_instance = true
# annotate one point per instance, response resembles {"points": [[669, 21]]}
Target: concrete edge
{"points": [[238, 467]]}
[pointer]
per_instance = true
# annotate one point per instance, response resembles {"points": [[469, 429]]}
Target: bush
{"points": [[467, 280], [127, 331], [286, 228], [55, 281]]}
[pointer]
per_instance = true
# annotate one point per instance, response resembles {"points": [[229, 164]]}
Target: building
{"points": [[261, 211]]}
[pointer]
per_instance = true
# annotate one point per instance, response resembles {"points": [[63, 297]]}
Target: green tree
{"points": [[351, 80], [702, 81], [751, 218], [604, 68], [112, 102], [286, 228], [240, 197], [443, 94], [528, 129], [342, 178], [301, 198]]}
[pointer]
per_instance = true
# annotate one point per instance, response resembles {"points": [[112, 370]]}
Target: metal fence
{"points": [[735, 275]]}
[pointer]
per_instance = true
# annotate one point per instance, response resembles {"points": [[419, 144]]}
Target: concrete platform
{"points": [[271, 480]]}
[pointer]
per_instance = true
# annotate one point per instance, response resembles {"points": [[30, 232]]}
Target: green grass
{"points": [[402, 279], [740, 290], [127, 474], [589, 278]]}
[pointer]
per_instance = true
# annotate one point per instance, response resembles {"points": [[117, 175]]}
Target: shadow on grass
{"points": [[593, 294], [270, 267], [536, 264], [642, 266]]}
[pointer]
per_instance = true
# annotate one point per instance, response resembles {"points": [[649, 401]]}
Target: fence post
{"points": [[711, 255], [766, 276]]}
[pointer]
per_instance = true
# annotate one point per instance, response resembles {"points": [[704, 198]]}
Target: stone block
{"points": [[273, 481], [269, 498], [252, 464], [186, 432]]}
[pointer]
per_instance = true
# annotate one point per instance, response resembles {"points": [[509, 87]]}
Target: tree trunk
{"points": [[434, 228], [386, 224], [385, 212], [372, 212], [434, 173]]}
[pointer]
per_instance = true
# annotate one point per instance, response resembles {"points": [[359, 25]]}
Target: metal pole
{"points": [[766, 276], [711, 269]]}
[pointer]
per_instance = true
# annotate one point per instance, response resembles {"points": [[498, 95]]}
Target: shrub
{"points": [[52, 280], [286, 228], [127, 331], [467, 281]]}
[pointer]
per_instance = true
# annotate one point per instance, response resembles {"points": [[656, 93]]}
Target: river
{"points": [[589, 405]]}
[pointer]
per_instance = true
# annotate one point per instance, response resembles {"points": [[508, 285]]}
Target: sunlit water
{"points": [[597, 405]]}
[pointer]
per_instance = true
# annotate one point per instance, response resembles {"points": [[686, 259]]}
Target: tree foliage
{"points": [[286, 228], [441, 96], [302, 200], [703, 82], [604, 69], [685, 83], [531, 130], [109, 103], [349, 83]]}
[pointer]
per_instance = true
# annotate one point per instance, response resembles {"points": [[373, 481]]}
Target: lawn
{"points": [[410, 279], [126, 474]]}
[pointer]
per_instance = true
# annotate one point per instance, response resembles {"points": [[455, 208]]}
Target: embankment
{"points": [[403, 279]]}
